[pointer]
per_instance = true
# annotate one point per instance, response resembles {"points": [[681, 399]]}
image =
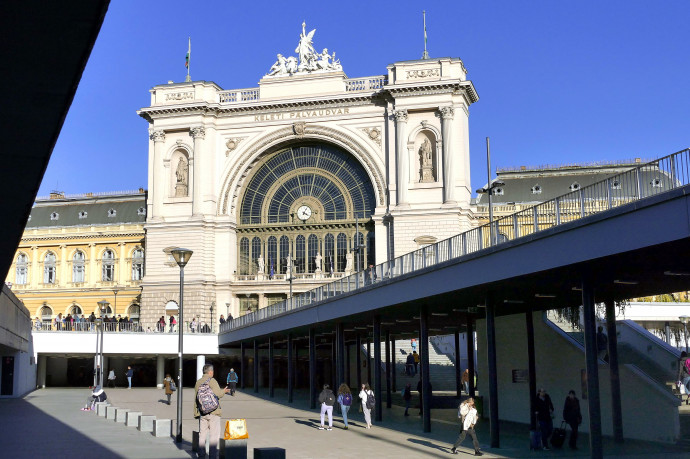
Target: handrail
{"points": [[643, 181]]}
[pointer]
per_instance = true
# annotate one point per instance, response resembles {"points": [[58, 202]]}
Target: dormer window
{"points": [[574, 187], [498, 191], [536, 189], [141, 211], [616, 184], [112, 213], [54, 216], [82, 215], [656, 183]]}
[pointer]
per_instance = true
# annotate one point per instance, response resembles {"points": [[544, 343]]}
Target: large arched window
{"points": [[108, 266], [137, 265], [301, 203], [49, 263], [78, 260], [46, 314], [22, 274]]}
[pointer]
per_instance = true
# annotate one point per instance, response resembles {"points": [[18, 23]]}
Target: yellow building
{"points": [[79, 250]]}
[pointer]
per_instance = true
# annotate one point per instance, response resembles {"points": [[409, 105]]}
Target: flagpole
{"points": [[189, 58], [426, 54]]}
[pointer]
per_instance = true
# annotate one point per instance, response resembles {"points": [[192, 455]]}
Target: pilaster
{"points": [[401, 156], [198, 133], [447, 114], [159, 193]]}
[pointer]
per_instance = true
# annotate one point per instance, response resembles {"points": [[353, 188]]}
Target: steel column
{"points": [[271, 392], [369, 360], [256, 366], [616, 407], [339, 356], [470, 352], [358, 340], [377, 368], [458, 370], [389, 402], [312, 369], [290, 368], [242, 358], [532, 370], [424, 370], [393, 371], [492, 376], [592, 360]]}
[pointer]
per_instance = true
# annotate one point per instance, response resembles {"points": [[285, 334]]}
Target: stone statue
{"points": [[305, 48], [181, 174], [291, 65], [317, 260], [280, 67], [348, 263], [261, 264], [324, 61], [426, 162], [288, 264]]}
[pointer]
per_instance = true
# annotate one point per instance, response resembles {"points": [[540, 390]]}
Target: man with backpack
{"points": [[207, 410], [232, 381], [327, 400]]}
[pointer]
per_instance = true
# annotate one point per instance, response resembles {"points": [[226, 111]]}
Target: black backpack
{"points": [[330, 398], [371, 400]]}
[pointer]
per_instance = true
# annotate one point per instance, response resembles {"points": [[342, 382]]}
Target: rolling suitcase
{"points": [[558, 437], [535, 439]]}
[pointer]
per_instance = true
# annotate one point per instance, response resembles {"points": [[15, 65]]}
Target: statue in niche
{"points": [[317, 260], [261, 263], [426, 162], [182, 178]]}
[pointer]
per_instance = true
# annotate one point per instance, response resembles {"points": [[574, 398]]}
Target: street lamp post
{"points": [[181, 257], [115, 292], [488, 190], [684, 320], [103, 307]]}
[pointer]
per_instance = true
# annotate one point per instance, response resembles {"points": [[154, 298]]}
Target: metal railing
{"points": [[116, 327], [639, 182]]}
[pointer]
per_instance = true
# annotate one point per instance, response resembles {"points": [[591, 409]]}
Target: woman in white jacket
{"points": [[468, 414], [364, 394]]}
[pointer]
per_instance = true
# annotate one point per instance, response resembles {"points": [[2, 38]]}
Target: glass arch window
{"points": [[256, 253], [46, 314], [108, 266], [304, 164], [137, 265], [299, 254], [313, 250], [341, 255], [22, 274], [284, 253], [78, 260], [49, 268], [329, 253], [244, 256], [272, 249]]}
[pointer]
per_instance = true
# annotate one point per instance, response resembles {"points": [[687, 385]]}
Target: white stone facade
{"points": [[407, 131]]}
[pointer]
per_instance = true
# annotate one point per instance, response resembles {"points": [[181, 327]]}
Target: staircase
{"points": [[441, 368]]}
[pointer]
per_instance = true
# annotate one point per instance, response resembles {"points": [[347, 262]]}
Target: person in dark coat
{"points": [[544, 412], [572, 416]]}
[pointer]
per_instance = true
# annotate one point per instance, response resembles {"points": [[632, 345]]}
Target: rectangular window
{"points": [[21, 275], [108, 273]]}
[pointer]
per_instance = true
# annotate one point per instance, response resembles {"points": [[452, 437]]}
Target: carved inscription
{"points": [[179, 95], [302, 114], [423, 73]]}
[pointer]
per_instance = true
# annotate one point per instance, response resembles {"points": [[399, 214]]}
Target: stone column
{"points": [[447, 114], [401, 156], [41, 370], [160, 371], [62, 263], [200, 362], [198, 134], [159, 193], [92, 266], [122, 275]]}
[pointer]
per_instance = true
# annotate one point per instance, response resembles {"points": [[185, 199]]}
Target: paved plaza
{"points": [[49, 423]]}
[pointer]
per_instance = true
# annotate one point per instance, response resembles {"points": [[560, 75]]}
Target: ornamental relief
{"points": [[423, 73], [179, 95], [232, 143], [374, 134]]}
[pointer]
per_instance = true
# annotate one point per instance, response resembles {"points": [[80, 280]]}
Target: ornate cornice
{"points": [[287, 134], [76, 238]]}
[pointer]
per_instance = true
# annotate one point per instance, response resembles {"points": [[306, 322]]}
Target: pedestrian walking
{"points": [[683, 382], [345, 401], [602, 344], [416, 361], [407, 397], [466, 380], [544, 412], [572, 416], [368, 402], [111, 378], [130, 374], [173, 322], [193, 325], [232, 381], [468, 419], [169, 386], [207, 410], [327, 400]]}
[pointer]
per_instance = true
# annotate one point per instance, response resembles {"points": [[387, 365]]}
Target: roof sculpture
{"points": [[308, 60]]}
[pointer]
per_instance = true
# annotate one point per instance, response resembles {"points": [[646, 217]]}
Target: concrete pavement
{"points": [[48, 422]]}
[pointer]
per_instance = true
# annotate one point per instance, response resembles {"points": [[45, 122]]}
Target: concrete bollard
{"points": [[195, 441], [133, 418], [110, 412], [269, 453], [100, 408], [146, 423], [121, 414], [162, 428], [232, 449]]}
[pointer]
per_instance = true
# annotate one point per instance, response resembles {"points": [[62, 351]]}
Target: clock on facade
{"points": [[303, 213]]}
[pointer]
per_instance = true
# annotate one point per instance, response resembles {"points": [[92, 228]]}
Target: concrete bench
{"points": [[110, 412], [132, 418], [162, 428], [232, 449], [121, 414], [146, 423], [100, 408], [269, 453]]}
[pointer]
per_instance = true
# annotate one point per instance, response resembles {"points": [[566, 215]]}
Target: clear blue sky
{"points": [[558, 81]]}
